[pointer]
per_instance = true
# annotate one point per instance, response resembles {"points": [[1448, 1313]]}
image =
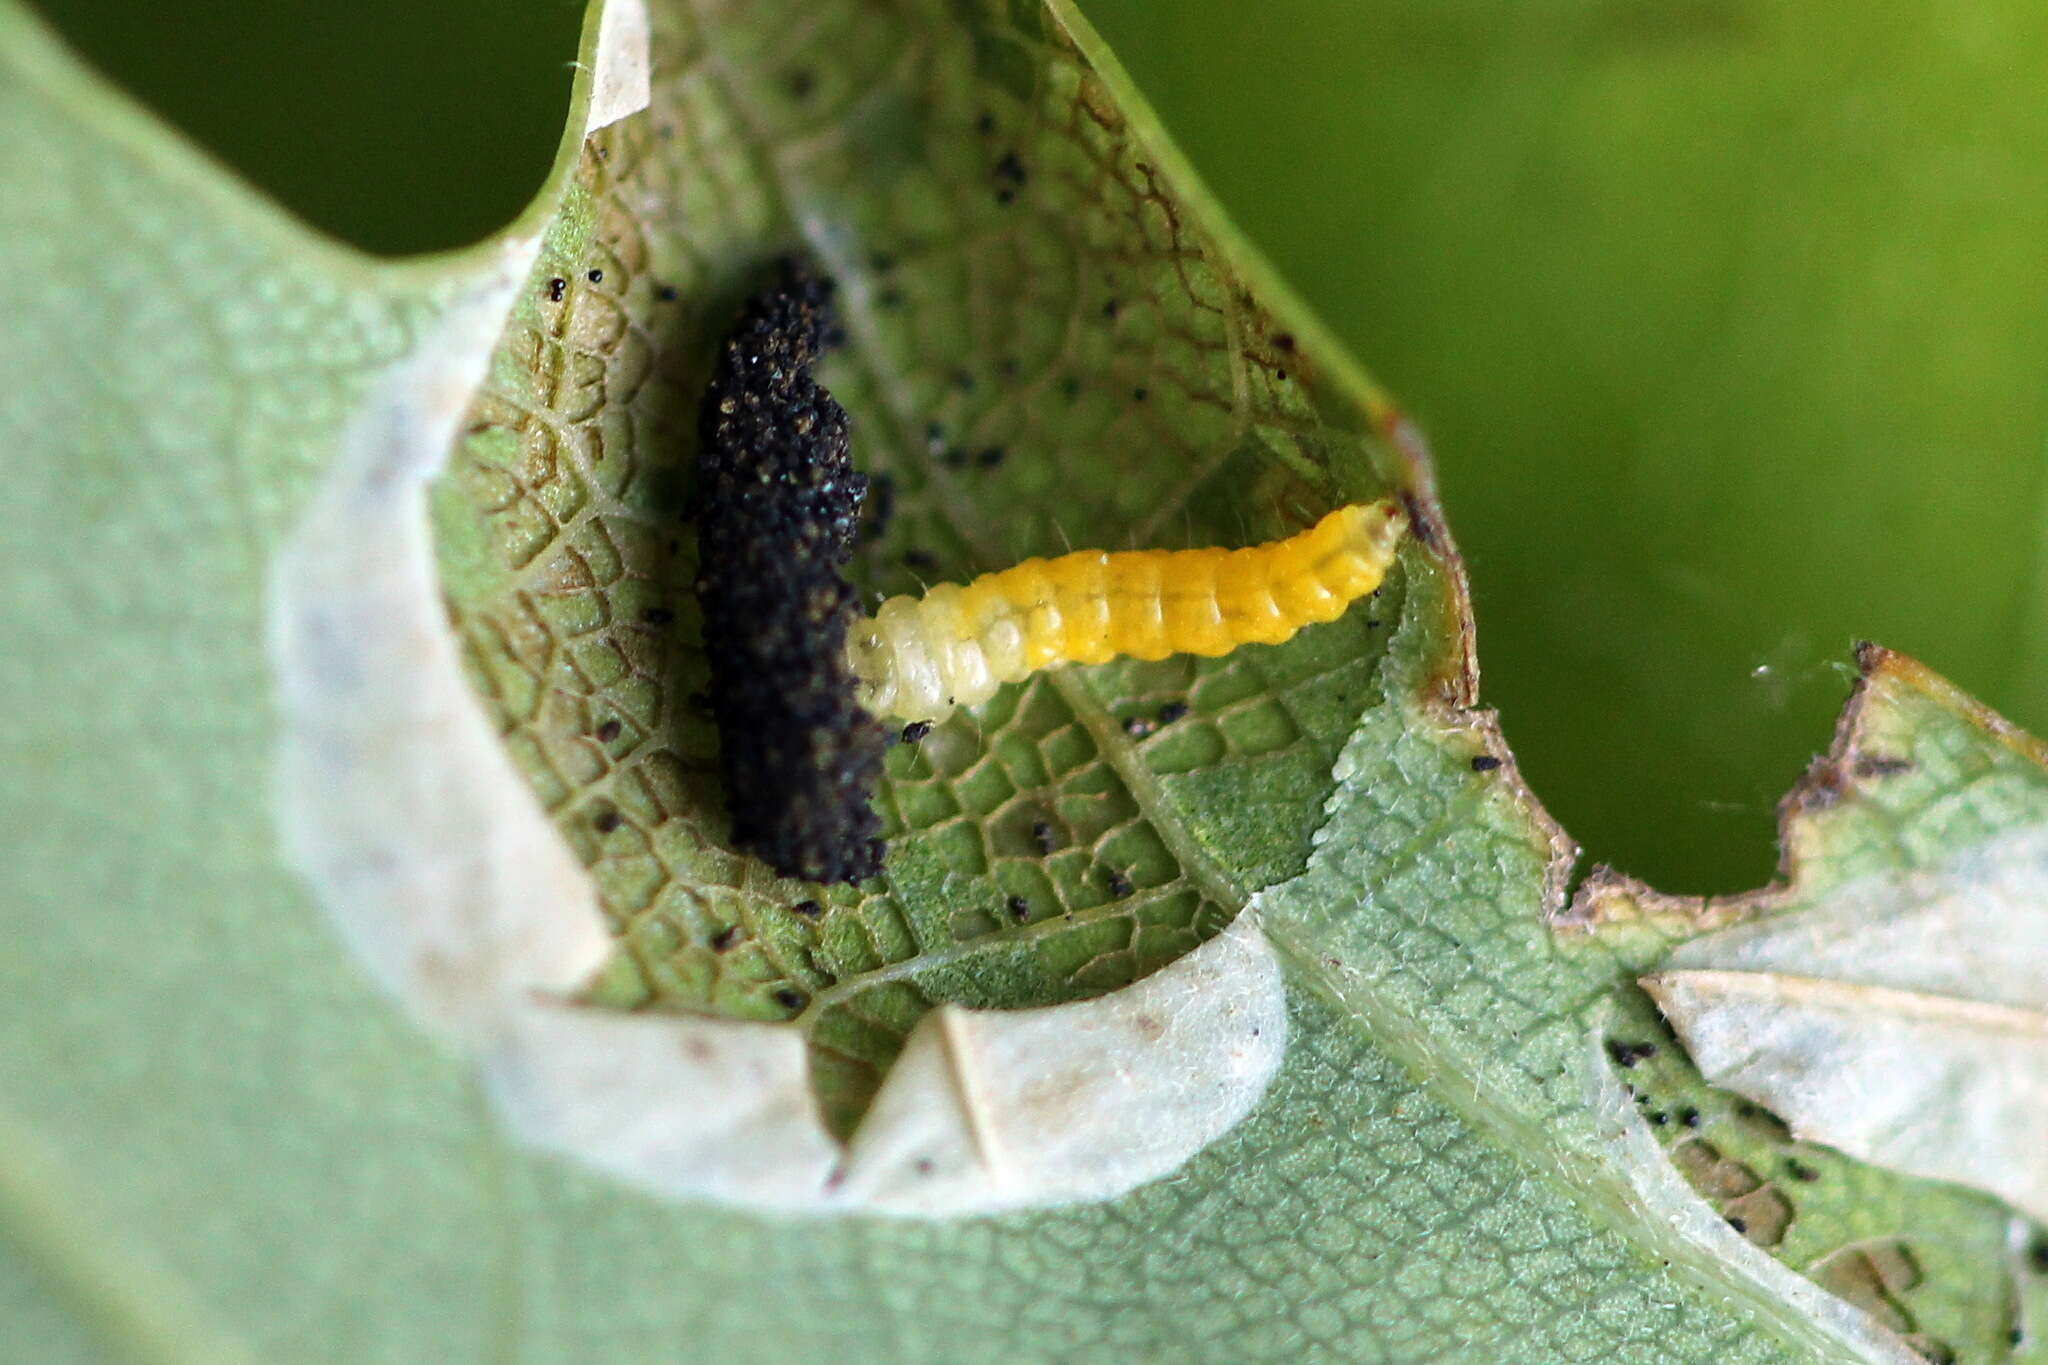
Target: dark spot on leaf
{"points": [[1738, 1225], [723, 939], [1111, 308], [1119, 884], [1628, 1054], [1009, 166], [1042, 834], [657, 616], [1140, 393], [595, 276], [1759, 1117], [666, 293], [1484, 763], [985, 123], [605, 819], [802, 82], [1800, 1171], [916, 731], [609, 731], [1285, 341], [789, 998], [1878, 765], [1660, 1118], [919, 559], [1173, 711], [992, 457], [1689, 1117], [1019, 907], [809, 909], [557, 287]]}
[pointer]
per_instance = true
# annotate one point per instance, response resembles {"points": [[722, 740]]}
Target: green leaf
{"points": [[1890, 1000], [231, 1142]]}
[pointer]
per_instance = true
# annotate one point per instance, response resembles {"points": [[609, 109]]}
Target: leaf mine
{"points": [[1044, 349], [559, 549]]}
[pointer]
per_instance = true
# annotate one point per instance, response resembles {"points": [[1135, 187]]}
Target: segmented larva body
{"points": [[917, 658]]}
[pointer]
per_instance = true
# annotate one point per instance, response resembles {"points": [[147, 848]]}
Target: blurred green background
{"points": [[1724, 316], [399, 127]]}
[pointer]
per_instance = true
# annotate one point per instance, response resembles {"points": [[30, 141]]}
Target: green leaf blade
{"points": [[317, 1176]]}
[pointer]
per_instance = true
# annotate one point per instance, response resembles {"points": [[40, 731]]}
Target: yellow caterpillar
{"points": [[917, 658]]}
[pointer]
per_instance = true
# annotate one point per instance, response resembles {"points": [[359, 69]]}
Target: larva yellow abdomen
{"points": [[919, 657]]}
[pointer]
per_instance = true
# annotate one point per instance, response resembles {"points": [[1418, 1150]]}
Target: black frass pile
{"points": [[778, 507]]}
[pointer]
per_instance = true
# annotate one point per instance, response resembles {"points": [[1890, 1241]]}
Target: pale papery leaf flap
{"points": [[1891, 997]]}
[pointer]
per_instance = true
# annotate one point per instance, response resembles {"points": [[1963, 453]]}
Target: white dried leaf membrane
{"points": [[1903, 1020], [396, 798], [400, 806], [985, 1110], [621, 83]]}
